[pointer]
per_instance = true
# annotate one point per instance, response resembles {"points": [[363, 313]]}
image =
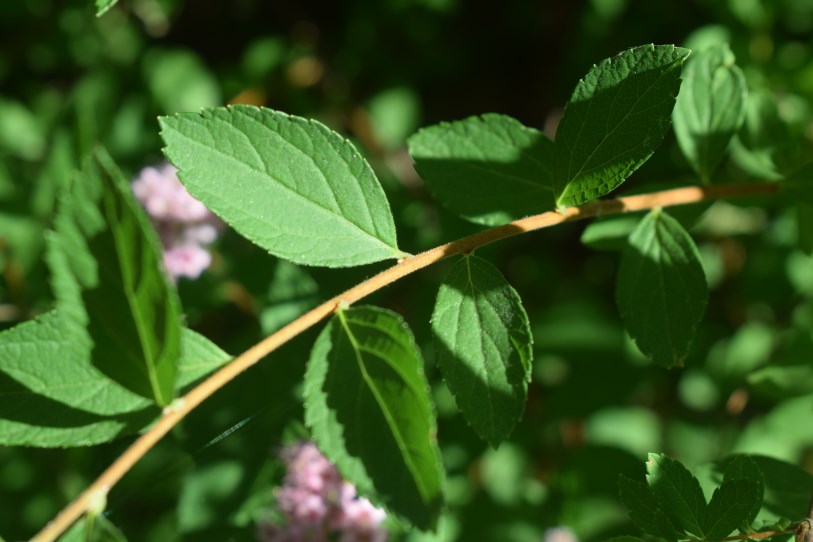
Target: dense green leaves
{"points": [[661, 290], [288, 184], [710, 107], [368, 406], [615, 120], [489, 169], [131, 312], [483, 346]]}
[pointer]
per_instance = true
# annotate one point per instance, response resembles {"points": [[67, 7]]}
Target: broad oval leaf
{"points": [[483, 345], [661, 290], [488, 169], [111, 278], [615, 120], [678, 493], [288, 184], [368, 406], [710, 107]]}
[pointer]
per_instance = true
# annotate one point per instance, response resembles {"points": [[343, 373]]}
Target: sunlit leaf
{"points": [[290, 185], [614, 121]]}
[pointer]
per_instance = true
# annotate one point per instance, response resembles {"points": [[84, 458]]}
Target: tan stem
{"points": [[665, 198]]}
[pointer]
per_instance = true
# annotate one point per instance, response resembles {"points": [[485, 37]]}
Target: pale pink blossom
{"points": [[317, 504], [184, 224]]}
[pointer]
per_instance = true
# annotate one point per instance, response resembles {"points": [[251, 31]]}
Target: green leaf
{"points": [[489, 169], [51, 395], [93, 528], [367, 403], [199, 357], [291, 293], [103, 5], [116, 286], [290, 185], [483, 345], [643, 509], [742, 467], [710, 107], [661, 290], [615, 120], [21, 133], [730, 507], [609, 233], [678, 493], [765, 148]]}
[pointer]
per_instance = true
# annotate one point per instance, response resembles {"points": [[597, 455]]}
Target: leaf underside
{"points": [[288, 184]]}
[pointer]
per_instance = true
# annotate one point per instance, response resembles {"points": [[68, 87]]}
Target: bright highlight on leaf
{"points": [[103, 5], [112, 255], [483, 346], [710, 108], [661, 289], [615, 120], [290, 185], [368, 406], [488, 169]]}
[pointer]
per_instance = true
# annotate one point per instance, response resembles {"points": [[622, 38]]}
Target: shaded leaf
{"points": [[51, 395], [678, 493], [614, 121], [290, 185], [609, 233], [489, 169], [730, 507], [661, 289], [710, 107], [108, 275], [643, 509], [742, 467], [367, 403], [483, 345]]}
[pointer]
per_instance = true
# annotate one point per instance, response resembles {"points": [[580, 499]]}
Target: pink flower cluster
{"points": [[184, 224], [318, 505]]}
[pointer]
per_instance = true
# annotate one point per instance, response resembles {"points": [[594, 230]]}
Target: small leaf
{"points": [[615, 120], [489, 169], [730, 507], [710, 107], [643, 509], [93, 528], [742, 467], [116, 286], [103, 5], [367, 403], [661, 289], [483, 346], [678, 493], [290, 185]]}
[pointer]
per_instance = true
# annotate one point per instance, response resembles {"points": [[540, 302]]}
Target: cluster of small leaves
{"points": [[671, 504]]}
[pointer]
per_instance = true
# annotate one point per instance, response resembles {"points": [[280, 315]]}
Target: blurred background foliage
{"points": [[377, 71]]}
